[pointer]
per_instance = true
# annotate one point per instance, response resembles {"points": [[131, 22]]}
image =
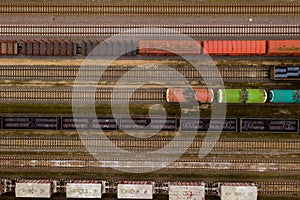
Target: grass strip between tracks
{"points": [[246, 110]]}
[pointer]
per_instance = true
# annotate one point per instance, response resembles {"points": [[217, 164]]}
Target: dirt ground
{"points": [[78, 61]]}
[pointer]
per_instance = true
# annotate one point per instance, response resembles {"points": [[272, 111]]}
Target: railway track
{"points": [[190, 165], [222, 146], [149, 30], [152, 9], [230, 74], [282, 188], [65, 94]]}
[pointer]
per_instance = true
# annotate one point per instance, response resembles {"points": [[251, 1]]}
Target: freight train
{"points": [[144, 123], [150, 47], [43, 188], [176, 95]]}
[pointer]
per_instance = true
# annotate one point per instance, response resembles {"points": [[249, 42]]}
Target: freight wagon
{"points": [[241, 96], [169, 47], [85, 188], [284, 96], [186, 190], [108, 48], [235, 191], [150, 47], [283, 48], [34, 188], [135, 190], [235, 47]]}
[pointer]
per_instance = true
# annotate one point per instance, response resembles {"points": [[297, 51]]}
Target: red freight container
{"points": [[235, 47], [169, 47], [284, 47]]}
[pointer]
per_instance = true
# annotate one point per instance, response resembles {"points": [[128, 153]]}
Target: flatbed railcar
{"points": [[150, 47], [285, 73], [145, 123]]}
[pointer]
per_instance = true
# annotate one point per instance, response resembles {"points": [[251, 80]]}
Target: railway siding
{"points": [[67, 144], [153, 9], [64, 95], [230, 74], [149, 30]]}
